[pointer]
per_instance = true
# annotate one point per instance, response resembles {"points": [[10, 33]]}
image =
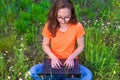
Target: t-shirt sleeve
{"points": [[80, 30], [46, 32]]}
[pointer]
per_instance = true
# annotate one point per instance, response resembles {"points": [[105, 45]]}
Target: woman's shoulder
{"points": [[77, 25]]}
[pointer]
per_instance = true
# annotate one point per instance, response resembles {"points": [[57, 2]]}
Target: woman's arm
{"points": [[55, 62], [80, 48], [70, 60], [46, 47]]}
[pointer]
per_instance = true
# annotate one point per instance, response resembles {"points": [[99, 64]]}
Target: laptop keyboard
{"points": [[47, 69]]}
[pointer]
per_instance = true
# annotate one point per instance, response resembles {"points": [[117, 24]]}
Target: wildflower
{"points": [[116, 22], [114, 72], [108, 23], [88, 21], [25, 49], [96, 20], [27, 74], [84, 22], [6, 51], [13, 70], [19, 49], [1, 57], [21, 39], [27, 59], [20, 79], [10, 69], [9, 77], [20, 73], [9, 60], [22, 45], [118, 27], [102, 24]]}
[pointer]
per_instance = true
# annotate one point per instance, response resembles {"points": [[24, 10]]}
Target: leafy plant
{"points": [[98, 55], [7, 44]]}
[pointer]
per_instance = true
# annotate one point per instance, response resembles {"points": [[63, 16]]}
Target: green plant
{"points": [[30, 38], [98, 55], [7, 44], [21, 23], [2, 66], [38, 9]]}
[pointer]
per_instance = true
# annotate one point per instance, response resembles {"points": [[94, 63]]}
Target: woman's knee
{"points": [[89, 74], [85, 71], [36, 68]]}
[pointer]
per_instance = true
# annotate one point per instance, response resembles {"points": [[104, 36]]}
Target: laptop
{"points": [[47, 69]]}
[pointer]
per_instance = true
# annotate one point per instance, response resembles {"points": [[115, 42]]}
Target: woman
{"points": [[60, 35]]}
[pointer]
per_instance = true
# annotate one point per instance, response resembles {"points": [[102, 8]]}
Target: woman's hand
{"points": [[69, 63], [56, 63]]}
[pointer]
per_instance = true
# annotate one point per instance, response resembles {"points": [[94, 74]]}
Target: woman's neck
{"points": [[63, 28]]}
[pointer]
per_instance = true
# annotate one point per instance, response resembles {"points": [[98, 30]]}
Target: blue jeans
{"points": [[37, 69]]}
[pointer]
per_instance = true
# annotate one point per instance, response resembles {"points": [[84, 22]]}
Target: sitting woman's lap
{"points": [[37, 69]]}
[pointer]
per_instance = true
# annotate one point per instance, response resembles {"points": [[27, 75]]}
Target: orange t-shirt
{"points": [[63, 44]]}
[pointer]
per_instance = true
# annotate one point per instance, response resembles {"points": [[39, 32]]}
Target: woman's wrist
{"points": [[52, 56], [71, 57]]}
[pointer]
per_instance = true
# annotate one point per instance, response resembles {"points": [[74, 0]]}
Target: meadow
{"points": [[21, 24]]}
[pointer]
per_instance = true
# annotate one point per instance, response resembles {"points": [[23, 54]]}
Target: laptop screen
{"points": [[47, 69]]}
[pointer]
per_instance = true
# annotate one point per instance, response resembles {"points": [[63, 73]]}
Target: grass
{"points": [[100, 55], [21, 23]]}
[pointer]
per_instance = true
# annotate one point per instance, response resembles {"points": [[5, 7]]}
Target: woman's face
{"points": [[63, 16]]}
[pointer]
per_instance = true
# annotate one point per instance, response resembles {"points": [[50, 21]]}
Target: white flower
{"points": [[6, 51], [102, 24], [20, 79], [25, 49], [114, 72], [108, 23], [88, 21], [10, 69], [9, 77], [27, 74], [20, 73], [19, 49], [22, 45], [96, 20], [21, 38], [1, 57]]}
